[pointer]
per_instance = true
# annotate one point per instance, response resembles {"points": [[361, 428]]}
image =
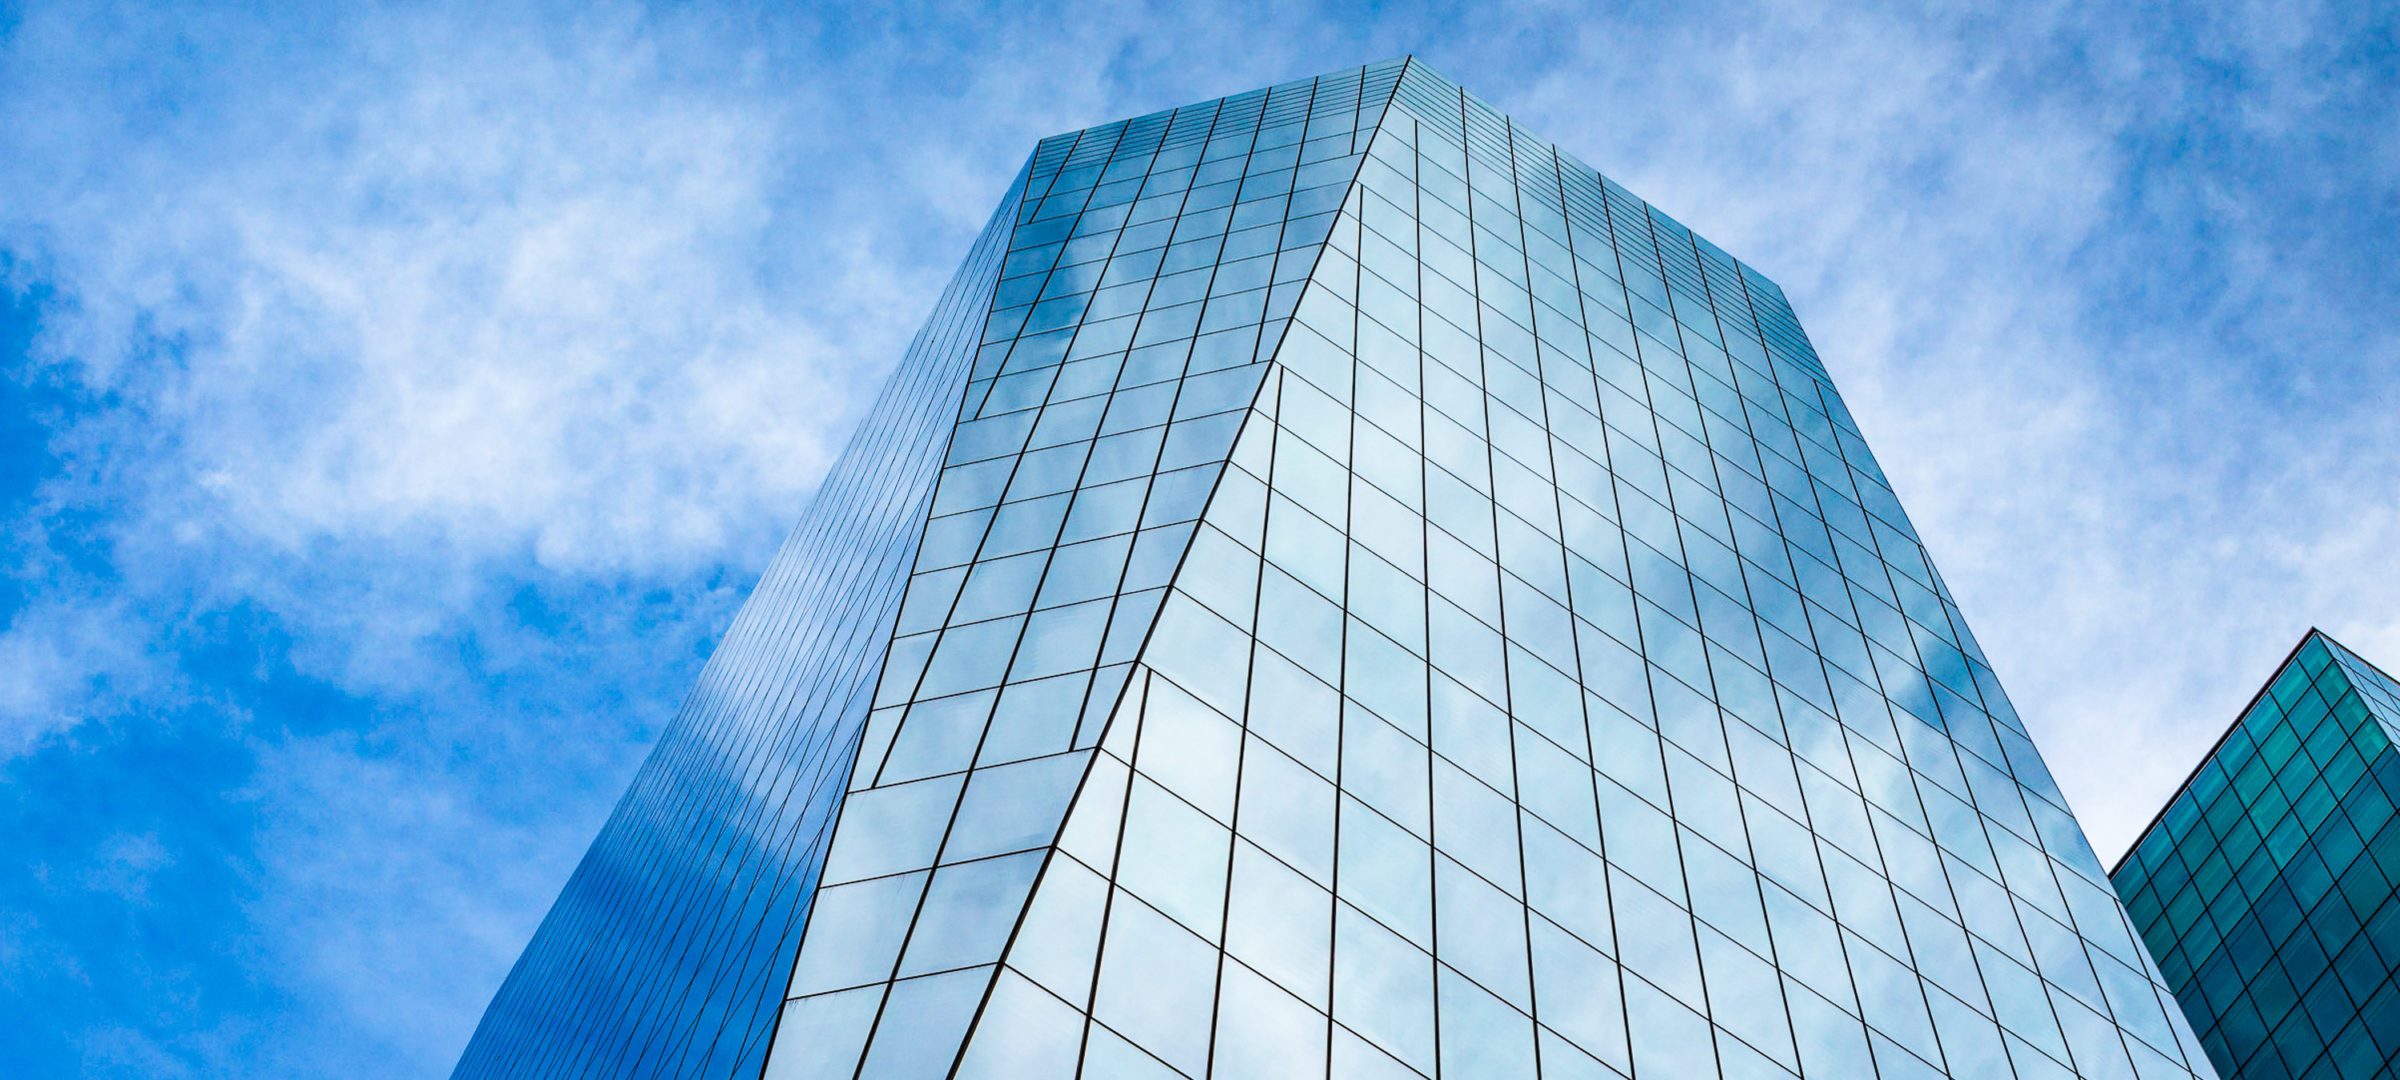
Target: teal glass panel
{"points": [[2258, 887]]}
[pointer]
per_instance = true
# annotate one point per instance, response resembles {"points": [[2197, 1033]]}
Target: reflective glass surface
{"points": [[1554, 686], [1155, 267], [1386, 601], [2269, 887]]}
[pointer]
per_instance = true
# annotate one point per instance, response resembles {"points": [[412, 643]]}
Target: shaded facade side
{"points": [[665, 951], [2269, 886], [1156, 265]]}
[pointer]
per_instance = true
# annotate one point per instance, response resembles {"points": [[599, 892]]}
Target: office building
{"points": [[1339, 588]]}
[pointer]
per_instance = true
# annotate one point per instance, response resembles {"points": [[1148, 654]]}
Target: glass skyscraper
{"points": [[2269, 887], [1340, 589]]}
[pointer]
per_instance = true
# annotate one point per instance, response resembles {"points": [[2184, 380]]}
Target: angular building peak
{"points": [[2268, 887], [1339, 588]]}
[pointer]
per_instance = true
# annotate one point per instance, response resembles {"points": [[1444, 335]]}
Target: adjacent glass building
{"points": [[2269, 888], [1340, 589]]}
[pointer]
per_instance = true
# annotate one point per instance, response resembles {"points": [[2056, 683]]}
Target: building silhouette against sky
{"points": [[1340, 588], [2269, 887]]}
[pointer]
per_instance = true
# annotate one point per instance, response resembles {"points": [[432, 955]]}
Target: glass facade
{"points": [[2269, 887], [1379, 599]]}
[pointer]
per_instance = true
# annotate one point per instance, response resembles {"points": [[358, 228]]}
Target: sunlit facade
{"points": [[2269, 887], [1339, 588]]}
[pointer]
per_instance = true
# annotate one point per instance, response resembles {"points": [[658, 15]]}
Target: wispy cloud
{"points": [[439, 286], [378, 350], [410, 394]]}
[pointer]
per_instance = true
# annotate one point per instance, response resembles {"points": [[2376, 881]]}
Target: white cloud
{"points": [[59, 657], [370, 329], [494, 290]]}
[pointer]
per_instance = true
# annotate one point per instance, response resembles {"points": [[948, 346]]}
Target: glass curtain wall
{"points": [[2269, 887]]}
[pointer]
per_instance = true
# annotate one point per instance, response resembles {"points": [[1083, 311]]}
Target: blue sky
{"points": [[394, 404]]}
